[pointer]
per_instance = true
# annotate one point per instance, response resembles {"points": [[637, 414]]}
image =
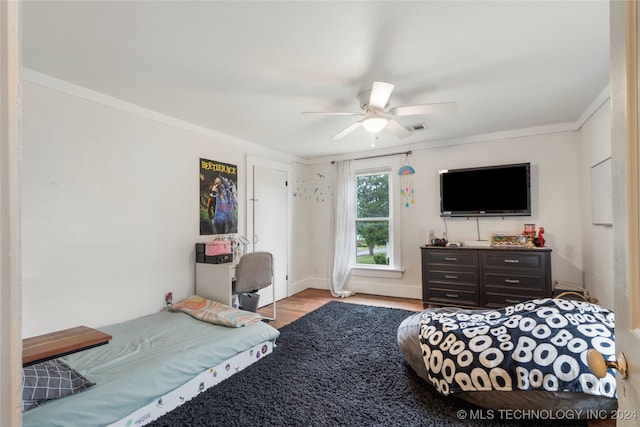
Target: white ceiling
{"points": [[249, 68]]}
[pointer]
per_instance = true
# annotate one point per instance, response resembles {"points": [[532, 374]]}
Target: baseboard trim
{"points": [[363, 287]]}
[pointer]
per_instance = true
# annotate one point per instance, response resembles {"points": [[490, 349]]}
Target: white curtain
{"points": [[342, 247]]}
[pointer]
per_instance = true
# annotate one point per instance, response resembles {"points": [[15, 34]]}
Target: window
{"points": [[372, 219], [377, 234]]}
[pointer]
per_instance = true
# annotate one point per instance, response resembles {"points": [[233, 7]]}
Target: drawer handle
{"points": [[448, 276], [451, 295], [515, 281], [512, 261], [512, 301], [450, 259]]}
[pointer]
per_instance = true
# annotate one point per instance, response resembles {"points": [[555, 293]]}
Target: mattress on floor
{"points": [[147, 358]]}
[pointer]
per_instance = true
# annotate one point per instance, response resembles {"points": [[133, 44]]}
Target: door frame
{"points": [[10, 202], [273, 164], [626, 199]]}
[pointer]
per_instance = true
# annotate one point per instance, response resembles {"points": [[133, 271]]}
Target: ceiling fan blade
{"points": [[416, 110], [397, 129], [380, 93], [329, 113], [346, 131]]}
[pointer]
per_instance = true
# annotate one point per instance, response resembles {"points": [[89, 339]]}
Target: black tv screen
{"points": [[502, 190]]}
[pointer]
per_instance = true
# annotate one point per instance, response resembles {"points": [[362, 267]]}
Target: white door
{"points": [[626, 202], [270, 222]]}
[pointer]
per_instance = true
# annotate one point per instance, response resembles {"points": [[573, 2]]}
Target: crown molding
{"points": [[82, 92], [602, 97], [63, 86]]}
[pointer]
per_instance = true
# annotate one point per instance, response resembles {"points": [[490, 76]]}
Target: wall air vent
{"points": [[419, 127]]}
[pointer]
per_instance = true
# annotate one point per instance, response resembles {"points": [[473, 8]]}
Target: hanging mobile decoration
{"points": [[406, 173]]}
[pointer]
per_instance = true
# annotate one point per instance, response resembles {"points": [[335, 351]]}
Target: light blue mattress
{"points": [[146, 358]]}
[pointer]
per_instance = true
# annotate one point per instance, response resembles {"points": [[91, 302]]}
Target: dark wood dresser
{"points": [[489, 277]]}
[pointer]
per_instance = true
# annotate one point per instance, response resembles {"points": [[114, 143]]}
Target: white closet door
{"points": [[271, 225]]}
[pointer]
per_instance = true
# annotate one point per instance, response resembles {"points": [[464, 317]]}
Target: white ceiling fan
{"points": [[376, 115]]}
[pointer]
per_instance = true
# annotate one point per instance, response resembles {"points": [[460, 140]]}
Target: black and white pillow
{"points": [[49, 380]]}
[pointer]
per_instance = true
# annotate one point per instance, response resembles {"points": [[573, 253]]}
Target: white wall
{"points": [[110, 210], [597, 250], [301, 232], [319, 199], [556, 193]]}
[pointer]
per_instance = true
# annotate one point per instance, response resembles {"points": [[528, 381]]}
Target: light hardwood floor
{"points": [[296, 306]]}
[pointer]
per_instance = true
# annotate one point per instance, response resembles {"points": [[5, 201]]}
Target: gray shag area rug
{"points": [[339, 365]]}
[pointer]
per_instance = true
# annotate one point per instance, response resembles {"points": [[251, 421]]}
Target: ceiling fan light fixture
{"points": [[374, 124], [376, 116]]}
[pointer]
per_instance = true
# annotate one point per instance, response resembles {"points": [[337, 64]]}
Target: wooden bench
{"points": [[57, 344]]}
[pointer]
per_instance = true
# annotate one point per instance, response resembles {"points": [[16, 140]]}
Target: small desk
{"points": [[60, 343], [215, 281]]}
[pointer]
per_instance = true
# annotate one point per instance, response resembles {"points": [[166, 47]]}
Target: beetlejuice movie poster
{"points": [[218, 197]]}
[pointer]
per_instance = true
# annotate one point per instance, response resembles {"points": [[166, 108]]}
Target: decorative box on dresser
{"points": [[484, 276]]}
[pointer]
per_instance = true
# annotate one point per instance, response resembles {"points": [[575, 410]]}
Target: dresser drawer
{"points": [[456, 276], [498, 300], [513, 260], [454, 297], [516, 283], [459, 259]]}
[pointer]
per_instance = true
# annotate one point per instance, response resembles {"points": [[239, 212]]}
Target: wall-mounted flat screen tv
{"points": [[502, 190]]}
